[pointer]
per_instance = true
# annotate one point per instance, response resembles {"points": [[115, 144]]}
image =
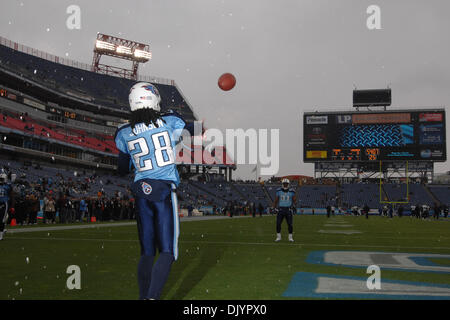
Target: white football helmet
{"points": [[144, 95], [284, 182], [3, 177]]}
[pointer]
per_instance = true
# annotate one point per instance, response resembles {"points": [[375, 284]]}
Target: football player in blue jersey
{"points": [[147, 146], [285, 200], [5, 198]]}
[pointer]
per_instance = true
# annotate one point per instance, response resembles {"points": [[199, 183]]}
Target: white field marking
{"points": [[298, 234], [240, 243], [58, 228], [350, 286], [104, 225], [391, 260], [340, 231], [338, 225]]}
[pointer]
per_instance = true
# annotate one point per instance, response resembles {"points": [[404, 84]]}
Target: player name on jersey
{"points": [[142, 127]]}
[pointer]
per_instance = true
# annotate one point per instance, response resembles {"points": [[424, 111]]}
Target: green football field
{"points": [[229, 258]]}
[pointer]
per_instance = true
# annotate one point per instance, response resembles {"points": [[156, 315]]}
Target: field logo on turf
{"points": [[404, 261], [321, 285], [374, 281], [74, 280]]}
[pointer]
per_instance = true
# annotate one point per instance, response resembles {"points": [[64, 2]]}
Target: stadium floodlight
{"points": [[123, 50], [105, 45], [142, 54]]}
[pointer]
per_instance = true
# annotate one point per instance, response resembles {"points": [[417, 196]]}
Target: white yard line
{"points": [[235, 243], [104, 225]]}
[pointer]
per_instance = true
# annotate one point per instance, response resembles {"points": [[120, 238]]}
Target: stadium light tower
{"points": [[122, 49]]}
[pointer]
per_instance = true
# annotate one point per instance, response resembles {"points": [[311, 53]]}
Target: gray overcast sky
{"points": [[288, 56]]}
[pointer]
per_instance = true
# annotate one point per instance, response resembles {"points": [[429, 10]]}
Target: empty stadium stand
{"points": [[441, 192], [417, 193], [317, 196], [360, 194], [29, 126], [83, 85]]}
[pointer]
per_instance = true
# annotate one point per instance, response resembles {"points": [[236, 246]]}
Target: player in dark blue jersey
{"points": [[285, 201], [147, 146], [5, 197]]}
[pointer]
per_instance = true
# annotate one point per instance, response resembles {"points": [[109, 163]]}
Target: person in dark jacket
{"points": [[366, 210], [260, 209], [400, 211]]}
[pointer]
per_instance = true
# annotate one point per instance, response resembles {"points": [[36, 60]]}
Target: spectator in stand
{"points": [[400, 211], [49, 209], [122, 209], [426, 211], [366, 210], [83, 209], [20, 210], [109, 206], [260, 209], [97, 209], [418, 211], [62, 208], [384, 211], [116, 208], [27, 209], [232, 209], [70, 210], [436, 211], [35, 206]]}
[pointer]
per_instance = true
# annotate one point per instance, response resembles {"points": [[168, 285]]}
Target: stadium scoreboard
{"points": [[374, 136]]}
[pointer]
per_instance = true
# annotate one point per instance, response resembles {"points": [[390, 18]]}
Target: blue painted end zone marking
{"points": [[424, 261], [304, 285], [318, 257]]}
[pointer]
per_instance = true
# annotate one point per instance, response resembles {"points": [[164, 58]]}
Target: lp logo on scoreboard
{"points": [[346, 118]]}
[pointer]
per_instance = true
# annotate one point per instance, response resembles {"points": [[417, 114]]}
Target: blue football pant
{"points": [[158, 229], [284, 213], [157, 226]]}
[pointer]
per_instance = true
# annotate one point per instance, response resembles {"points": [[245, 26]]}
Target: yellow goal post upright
{"points": [[381, 188]]}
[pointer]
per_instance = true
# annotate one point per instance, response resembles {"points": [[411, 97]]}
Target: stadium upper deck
{"points": [[32, 72], [62, 93]]}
